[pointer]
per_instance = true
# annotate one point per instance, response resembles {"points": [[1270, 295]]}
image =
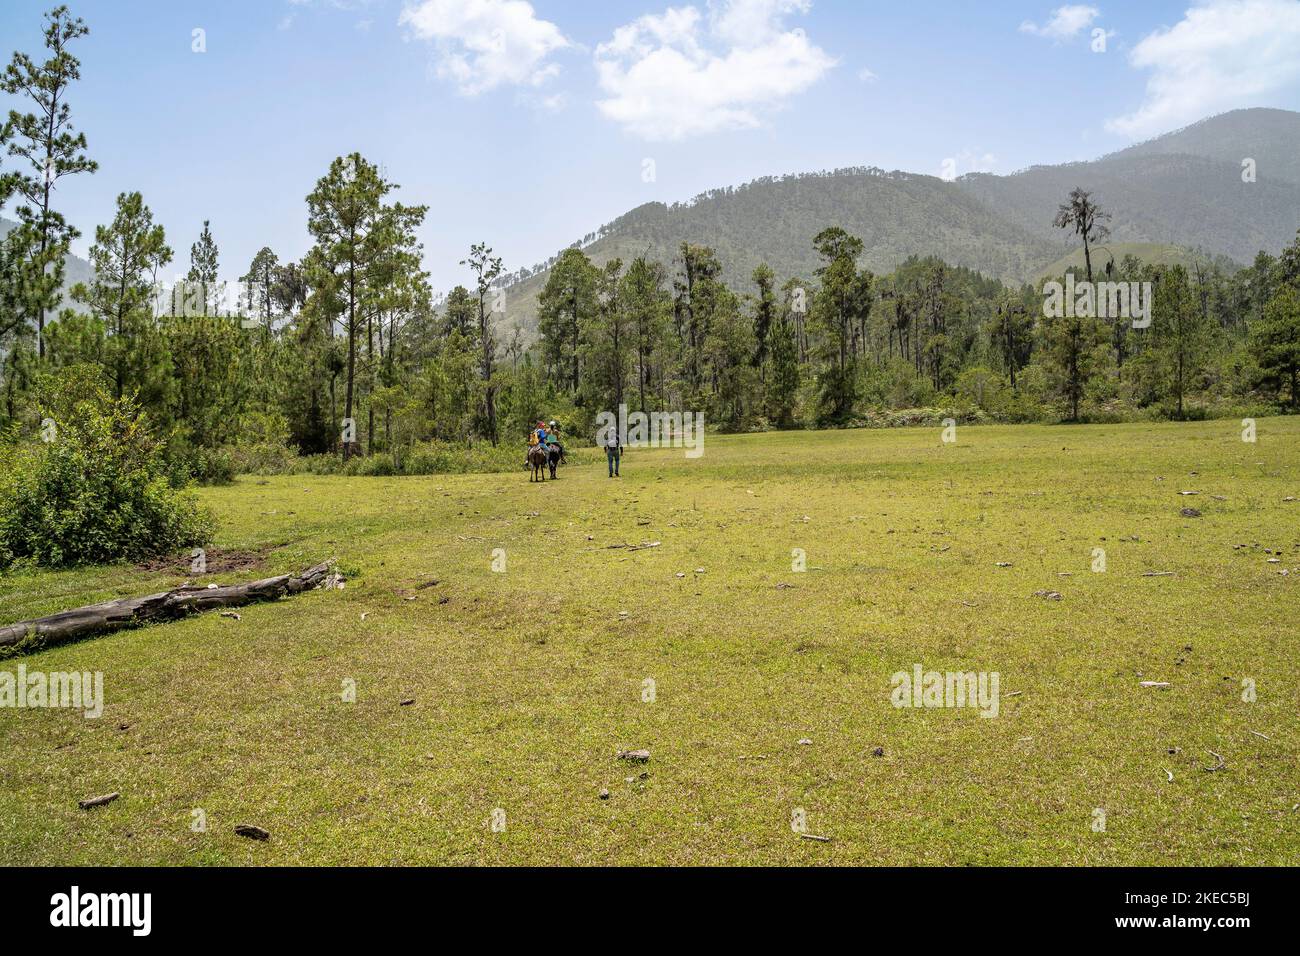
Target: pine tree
{"points": [[1087, 219], [565, 308], [203, 271], [52, 149], [730, 349], [487, 269], [1275, 343], [842, 301], [1070, 352], [1180, 333], [764, 311], [609, 341], [121, 293], [648, 306], [460, 314], [695, 298], [259, 284], [354, 232], [783, 384]]}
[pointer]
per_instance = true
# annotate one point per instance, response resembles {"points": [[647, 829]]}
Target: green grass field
{"points": [[525, 683]]}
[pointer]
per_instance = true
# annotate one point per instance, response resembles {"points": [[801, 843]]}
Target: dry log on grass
{"points": [[97, 801], [179, 602]]}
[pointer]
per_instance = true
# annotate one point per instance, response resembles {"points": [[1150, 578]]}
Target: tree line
{"points": [[346, 351]]}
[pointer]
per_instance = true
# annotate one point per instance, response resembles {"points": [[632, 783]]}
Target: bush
{"points": [[206, 466], [263, 458], [424, 458], [959, 413], [375, 466], [981, 387], [97, 492]]}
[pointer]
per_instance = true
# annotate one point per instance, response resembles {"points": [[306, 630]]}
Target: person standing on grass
{"points": [[612, 451]]}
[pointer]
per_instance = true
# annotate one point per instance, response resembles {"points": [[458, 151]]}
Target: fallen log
{"points": [[96, 619], [97, 801]]}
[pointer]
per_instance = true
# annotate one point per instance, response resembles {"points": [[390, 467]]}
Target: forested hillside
{"points": [[1267, 136], [774, 221], [1165, 197], [1183, 189]]}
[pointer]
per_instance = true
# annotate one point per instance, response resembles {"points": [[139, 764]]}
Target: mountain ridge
{"points": [[1182, 189]]}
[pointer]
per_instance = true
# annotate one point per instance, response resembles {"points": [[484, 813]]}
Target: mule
{"points": [[537, 461]]}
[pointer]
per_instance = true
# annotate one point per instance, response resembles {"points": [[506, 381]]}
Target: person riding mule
{"points": [[555, 446], [536, 436], [538, 456], [545, 438], [554, 454]]}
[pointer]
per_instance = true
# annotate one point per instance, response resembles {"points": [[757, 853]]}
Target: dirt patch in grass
{"points": [[217, 560]]}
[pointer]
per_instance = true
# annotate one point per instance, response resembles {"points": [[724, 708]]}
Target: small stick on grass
{"points": [[97, 801]]}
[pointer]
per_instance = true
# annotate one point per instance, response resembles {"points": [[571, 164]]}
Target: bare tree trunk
{"points": [[352, 352]]}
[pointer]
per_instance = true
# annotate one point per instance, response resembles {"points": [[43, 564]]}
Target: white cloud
{"points": [[483, 44], [866, 76], [1066, 22], [1222, 55], [672, 75]]}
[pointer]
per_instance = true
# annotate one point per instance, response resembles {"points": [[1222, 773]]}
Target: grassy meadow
{"points": [[513, 689]]}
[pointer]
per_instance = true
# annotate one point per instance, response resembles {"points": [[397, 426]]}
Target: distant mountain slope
{"points": [[75, 268], [895, 214], [774, 221], [1183, 189], [1270, 137], [1161, 197]]}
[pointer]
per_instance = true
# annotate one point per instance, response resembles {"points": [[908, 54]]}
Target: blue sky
{"points": [[528, 124]]}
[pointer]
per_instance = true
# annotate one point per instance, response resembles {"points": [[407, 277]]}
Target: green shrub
{"points": [[424, 458], [186, 463], [427, 459], [263, 458], [98, 491], [378, 466]]}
